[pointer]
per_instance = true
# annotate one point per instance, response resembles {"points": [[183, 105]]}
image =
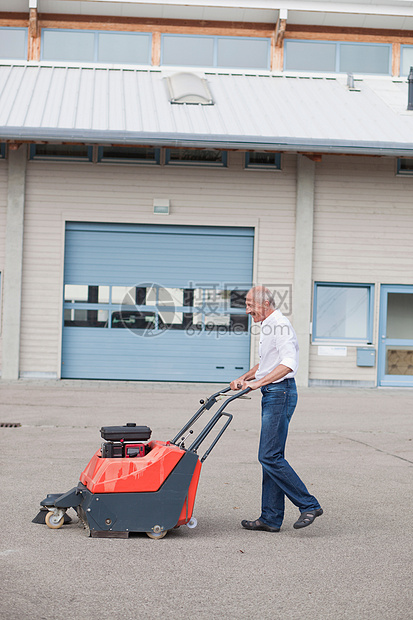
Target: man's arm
{"points": [[238, 383], [275, 375]]}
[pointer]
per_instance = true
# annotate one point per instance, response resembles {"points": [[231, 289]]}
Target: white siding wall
{"points": [[363, 232], [56, 192], [3, 209]]}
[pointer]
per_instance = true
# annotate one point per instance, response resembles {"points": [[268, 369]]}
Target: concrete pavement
{"points": [[353, 449]]}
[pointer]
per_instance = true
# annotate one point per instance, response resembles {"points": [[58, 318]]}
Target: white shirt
{"points": [[278, 345]]}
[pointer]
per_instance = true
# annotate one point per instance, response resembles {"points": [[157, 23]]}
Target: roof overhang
{"points": [[222, 142]]}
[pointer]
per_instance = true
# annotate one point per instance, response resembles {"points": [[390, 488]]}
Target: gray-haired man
{"points": [[274, 374]]}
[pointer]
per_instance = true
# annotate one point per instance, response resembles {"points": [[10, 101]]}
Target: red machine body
{"points": [[140, 475]]}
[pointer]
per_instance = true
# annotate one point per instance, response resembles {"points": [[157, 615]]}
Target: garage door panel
{"points": [[162, 358]]}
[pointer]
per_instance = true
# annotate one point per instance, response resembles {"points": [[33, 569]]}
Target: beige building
{"points": [[158, 159]]}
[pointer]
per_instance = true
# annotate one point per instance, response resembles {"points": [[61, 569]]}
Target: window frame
{"points": [[345, 341], [197, 309], [215, 39], [338, 45], [84, 159], [126, 160], [96, 45], [399, 171], [274, 166], [403, 46], [197, 164], [25, 40]]}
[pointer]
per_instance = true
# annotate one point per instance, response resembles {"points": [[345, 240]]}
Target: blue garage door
{"points": [[161, 303]]}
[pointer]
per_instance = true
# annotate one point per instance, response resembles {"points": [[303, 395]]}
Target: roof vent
{"points": [[188, 88]]}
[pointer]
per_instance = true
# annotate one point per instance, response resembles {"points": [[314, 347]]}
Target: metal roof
{"points": [[97, 104]]}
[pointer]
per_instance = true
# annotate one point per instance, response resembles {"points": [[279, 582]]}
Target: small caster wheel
{"points": [[157, 535], [192, 523], [53, 521]]}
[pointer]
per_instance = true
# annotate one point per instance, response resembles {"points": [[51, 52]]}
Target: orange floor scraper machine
{"points": [[132, 484]]}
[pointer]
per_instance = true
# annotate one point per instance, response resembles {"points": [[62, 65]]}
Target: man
{"points": [[275, 376]]}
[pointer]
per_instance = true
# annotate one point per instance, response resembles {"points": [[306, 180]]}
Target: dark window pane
{"points": [[64, 151], [310, 56], [356, 58], [68, 45], [257, 159], [196, 156], [85, 318], [238, 299], [244, 53], [13, 43], [187, 51], [406, 165], [133, 320], [239, 323], [129, 153], [124, 47]]}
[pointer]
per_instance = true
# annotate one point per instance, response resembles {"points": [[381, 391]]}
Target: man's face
{"points": [[257, 311]]}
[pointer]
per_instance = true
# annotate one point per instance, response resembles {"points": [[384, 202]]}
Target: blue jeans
{"points": [[278, 477]]}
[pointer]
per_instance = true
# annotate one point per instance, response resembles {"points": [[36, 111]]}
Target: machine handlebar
{"points": [[206, 405]]}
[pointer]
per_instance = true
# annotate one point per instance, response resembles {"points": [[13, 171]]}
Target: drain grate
{"points": [[10, 424]]}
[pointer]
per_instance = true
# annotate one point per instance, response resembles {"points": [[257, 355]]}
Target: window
{"points": [[205, 51], [129, 154], [2, 150], [13, 43], [310, 56], [262, 160], [337, 57], [405, 166], [343, 312], [196, 157], [66, 152], [155, 308], [406, 59], [96, 46]]}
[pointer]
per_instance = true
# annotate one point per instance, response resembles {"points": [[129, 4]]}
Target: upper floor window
{"points": [[68, 152], [196, 157], [96, 46], [209, 51], [13, 43], [337, 57], [129, 154], [405, 166], [263, 160], [406, 59]]}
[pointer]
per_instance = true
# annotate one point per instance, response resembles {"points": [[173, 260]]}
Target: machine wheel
{"points": [[192, 523], [54, 522], [157, 535]]}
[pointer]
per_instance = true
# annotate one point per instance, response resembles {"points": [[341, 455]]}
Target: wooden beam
{"points": [[280, 32], [156, 49], [13, 20], [313, 156], [33, 52], [336, 33], [135, 24], [395, 60]]}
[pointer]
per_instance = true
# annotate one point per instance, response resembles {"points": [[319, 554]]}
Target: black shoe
{"points": [[258, 525], [307, 517]]}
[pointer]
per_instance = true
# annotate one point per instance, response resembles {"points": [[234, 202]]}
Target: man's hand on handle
{"points": [[242, 384]]}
